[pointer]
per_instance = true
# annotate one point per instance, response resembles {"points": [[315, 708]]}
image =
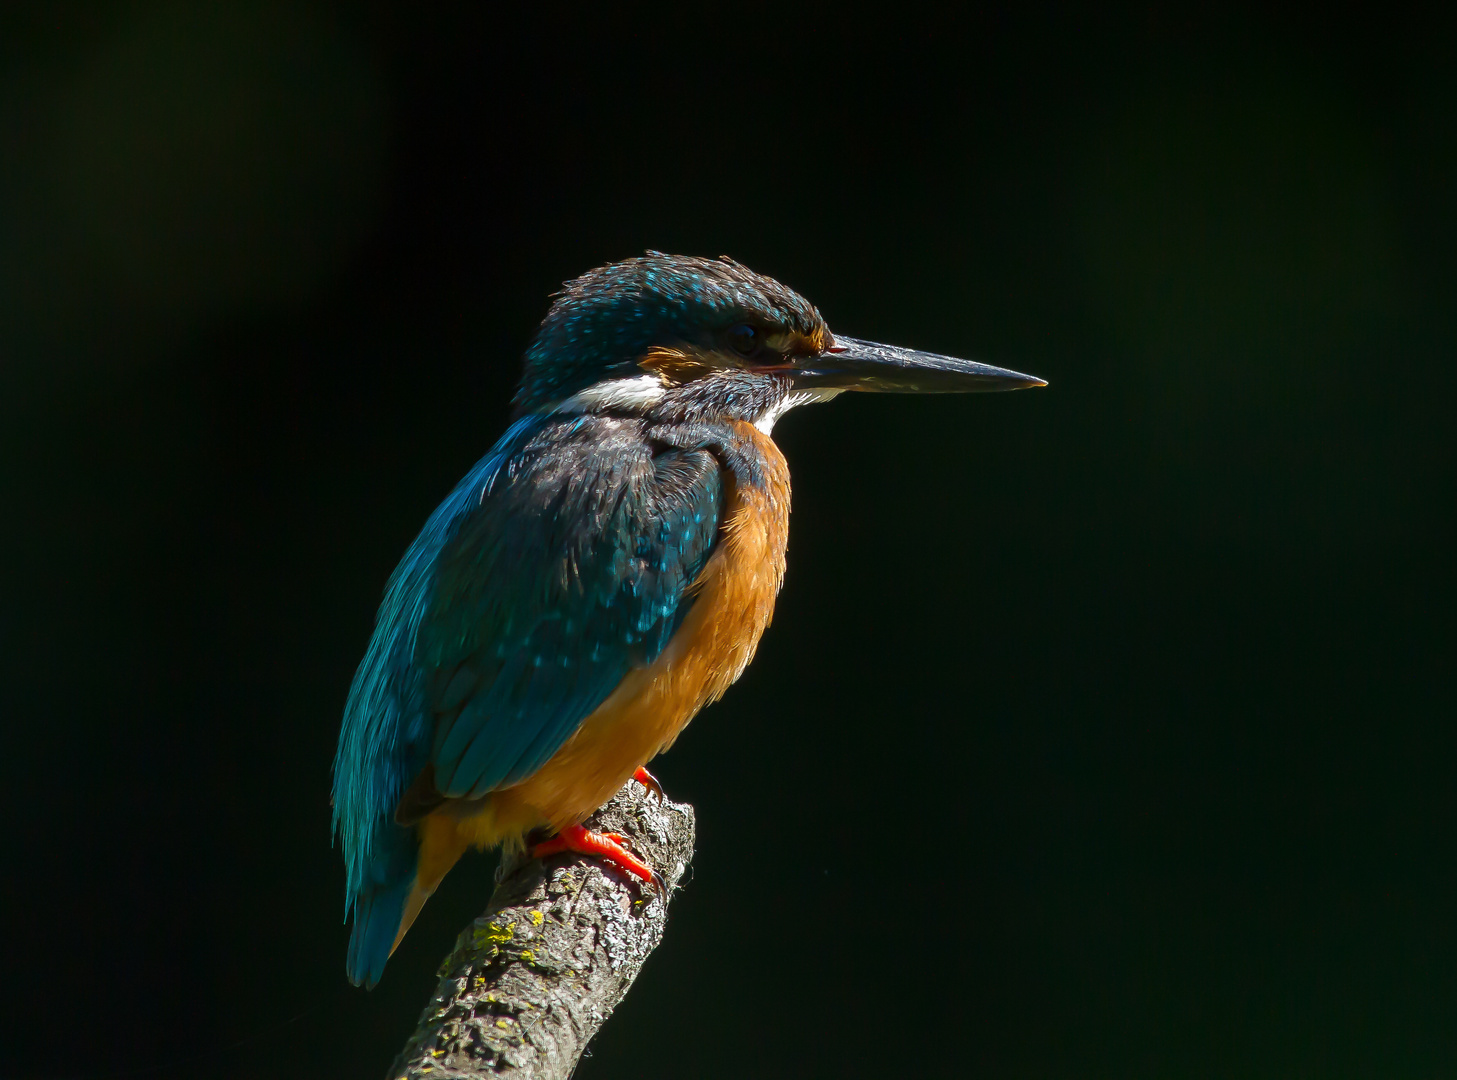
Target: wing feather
{"points": [[575, 571], [566, 557]]}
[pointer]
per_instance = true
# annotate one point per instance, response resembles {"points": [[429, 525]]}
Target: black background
{"points": [[1103, 731]]}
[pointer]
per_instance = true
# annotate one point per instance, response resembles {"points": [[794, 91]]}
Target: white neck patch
{"points": [[794, 398], [637, 392]]}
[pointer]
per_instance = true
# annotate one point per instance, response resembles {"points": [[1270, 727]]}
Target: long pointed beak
{"points": [[851, 364]]}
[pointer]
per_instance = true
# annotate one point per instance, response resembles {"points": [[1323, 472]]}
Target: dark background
{"points": [[1103, 731]]}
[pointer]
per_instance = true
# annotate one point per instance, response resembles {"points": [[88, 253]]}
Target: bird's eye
{"points": [[743, 339]]}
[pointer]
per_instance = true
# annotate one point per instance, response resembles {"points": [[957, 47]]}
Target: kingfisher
{"points": [[601, 575]]}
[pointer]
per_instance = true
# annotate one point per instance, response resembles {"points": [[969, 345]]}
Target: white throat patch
{"points": [[637, 392], [794, 398]]}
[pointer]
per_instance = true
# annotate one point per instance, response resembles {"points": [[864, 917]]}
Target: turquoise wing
{"points": [[562, 560]]}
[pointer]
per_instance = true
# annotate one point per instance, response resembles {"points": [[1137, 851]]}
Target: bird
{"points": [[602, 574]]}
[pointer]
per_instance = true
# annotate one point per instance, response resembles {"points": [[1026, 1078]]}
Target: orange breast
{"points": [[735, 601]]}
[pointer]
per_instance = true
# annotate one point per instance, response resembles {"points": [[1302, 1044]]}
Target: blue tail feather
{"points": [[377, 914], [379, 900]]}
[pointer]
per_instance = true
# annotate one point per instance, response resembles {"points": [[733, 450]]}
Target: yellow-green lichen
{"points": [[492, 936]]}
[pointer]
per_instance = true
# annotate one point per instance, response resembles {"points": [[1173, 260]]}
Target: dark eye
{"points": [[743, 339]]}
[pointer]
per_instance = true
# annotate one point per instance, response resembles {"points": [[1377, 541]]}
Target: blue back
{"points": [[562, 559]]}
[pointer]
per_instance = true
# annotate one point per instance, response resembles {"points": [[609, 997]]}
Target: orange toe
{"points": [[608, 846], [649, 781]]}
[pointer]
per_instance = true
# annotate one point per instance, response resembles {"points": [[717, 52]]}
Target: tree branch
{"points": [[533, 979]]}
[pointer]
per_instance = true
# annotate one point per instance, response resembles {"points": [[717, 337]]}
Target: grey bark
{"points": [[533, 979]]}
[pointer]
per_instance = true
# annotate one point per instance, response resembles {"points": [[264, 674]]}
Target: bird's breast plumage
{"points": [[733, 603], [613, 577]]}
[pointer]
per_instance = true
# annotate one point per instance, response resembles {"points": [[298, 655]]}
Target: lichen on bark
{"points": [[530, 981]]}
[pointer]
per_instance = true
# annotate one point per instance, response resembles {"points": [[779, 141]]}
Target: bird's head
{"points": [[709, 338]]}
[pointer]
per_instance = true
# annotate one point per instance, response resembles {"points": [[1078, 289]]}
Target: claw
{"points": [[649, 781], [608, 846]]}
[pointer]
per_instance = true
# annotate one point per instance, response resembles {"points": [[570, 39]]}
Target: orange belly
{"points": [[734, 603]]}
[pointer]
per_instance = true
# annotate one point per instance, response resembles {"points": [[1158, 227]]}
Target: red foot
{"points": [[606, 845], [649, 781]]}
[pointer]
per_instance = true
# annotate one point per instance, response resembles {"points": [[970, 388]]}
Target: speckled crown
{"points": [[604, 321]]}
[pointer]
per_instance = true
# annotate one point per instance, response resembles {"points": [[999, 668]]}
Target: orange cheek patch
{"points": [[677, 365]]}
